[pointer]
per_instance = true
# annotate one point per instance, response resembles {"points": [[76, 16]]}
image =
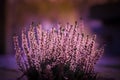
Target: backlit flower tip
{"points": [[15, 40], [17, 47], [39, 26]]}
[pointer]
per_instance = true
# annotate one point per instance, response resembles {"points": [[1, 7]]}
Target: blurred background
{"points": [[102, 17]]}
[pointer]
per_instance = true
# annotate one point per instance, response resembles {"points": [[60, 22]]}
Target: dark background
{"points": [[2, 26], [107, 13]]}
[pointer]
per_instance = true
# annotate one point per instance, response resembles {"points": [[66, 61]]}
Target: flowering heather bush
{"points": [[66, 53]]}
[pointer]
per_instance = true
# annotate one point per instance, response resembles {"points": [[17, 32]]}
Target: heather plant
{"points": [[66, 53]]}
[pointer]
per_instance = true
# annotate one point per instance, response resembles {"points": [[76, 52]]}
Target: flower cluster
{"points": [[66, 53]]}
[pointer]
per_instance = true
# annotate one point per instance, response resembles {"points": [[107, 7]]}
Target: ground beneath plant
{"points": [[107, 67]]}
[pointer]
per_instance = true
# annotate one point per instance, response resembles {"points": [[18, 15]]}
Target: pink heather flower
{"points": [[57, 46]]}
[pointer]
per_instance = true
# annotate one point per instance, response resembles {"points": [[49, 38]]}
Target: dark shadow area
{"points": [[2, 26]]}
